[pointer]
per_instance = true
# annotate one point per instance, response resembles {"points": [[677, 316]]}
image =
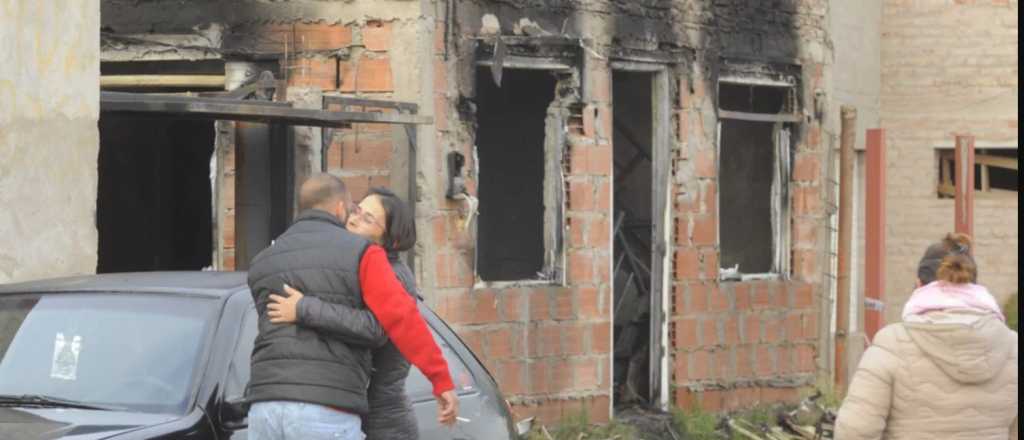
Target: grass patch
{"points": [[1011, 311], [763, 415], [696, 424], [579, 427]]}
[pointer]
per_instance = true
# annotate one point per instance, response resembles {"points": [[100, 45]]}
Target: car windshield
{"points": [[137, 352]]}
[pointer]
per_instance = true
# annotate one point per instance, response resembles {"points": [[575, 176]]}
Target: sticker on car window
{"points": [[65, 357]]}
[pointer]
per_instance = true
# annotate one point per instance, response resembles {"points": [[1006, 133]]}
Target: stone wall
{"points": [[49, 141]]}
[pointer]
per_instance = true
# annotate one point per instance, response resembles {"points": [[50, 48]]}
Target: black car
{"points": [[165, 355]]}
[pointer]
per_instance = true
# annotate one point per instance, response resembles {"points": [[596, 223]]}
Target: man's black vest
{"points": [[317, 256]]}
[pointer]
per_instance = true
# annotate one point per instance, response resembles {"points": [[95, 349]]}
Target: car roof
{"points": [[202, 283]]}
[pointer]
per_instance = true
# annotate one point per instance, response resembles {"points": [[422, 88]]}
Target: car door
{"points": [[239, 368], [424, 405], [482, 409]]}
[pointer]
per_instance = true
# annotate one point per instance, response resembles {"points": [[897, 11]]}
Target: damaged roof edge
{"points": [[246, 110]]}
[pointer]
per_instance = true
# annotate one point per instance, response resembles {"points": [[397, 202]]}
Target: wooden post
{"points": [[846, 162], [874, 233], [964, 159]]}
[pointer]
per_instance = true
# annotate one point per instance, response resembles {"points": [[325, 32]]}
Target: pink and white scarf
{"points": [[941, 295]]}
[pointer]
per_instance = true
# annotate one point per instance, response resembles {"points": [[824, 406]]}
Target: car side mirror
{"points": [[234, 414]]}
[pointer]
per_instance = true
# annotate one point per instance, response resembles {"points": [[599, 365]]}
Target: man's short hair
{"points": [[321, 189]]}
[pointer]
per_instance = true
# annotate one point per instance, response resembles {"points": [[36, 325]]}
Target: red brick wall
{"points": [[735, 344], [334, 58], [548, 346]]}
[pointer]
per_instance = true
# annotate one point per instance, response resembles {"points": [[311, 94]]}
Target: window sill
{"points": [[480, 284], [993, 194], [751, 277]]}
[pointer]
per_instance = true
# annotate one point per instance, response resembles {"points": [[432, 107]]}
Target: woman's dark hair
{"points": [[399, 225], [948, 260]]}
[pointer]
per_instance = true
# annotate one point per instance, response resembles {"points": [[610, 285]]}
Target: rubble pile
{"points": [[809, 421]]}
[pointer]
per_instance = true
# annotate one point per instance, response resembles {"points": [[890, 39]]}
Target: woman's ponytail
{"points": [[957, 266]]}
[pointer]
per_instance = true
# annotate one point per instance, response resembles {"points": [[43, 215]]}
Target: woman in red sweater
{"points": [[384, 219]]}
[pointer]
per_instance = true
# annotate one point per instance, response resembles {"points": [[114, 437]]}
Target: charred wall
{"points": [[730, 343], [549, 342], [363, 48]]}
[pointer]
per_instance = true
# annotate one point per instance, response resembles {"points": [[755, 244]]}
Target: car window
{"points": [[419, 388], [238, 371], [136, 351]]}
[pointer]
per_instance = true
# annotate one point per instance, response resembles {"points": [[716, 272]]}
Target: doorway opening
{"points": [[154, 204], [634, 231]]}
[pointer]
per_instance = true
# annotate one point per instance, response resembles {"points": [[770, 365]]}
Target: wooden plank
{"points": [[946, 190], [946, 178], [996, 161], [137, 81], [759, 117], [985, 181]]}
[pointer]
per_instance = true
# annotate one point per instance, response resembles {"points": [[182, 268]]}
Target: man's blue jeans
{"points": [[282, 420]]}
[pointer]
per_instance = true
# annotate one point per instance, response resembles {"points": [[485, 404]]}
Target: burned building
{"points": [[639, 214], [618, 202]]}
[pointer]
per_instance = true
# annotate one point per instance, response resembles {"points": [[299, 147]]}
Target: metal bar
{"points": [[246, 90], [964, 199], [111, 97], [755, 81], [846, 162], [759, 117], [250, 111], [874, 255], [633, 261], [361, 102], [411, 132], [633, 163], [525, 63], [130, 81], [631, 137]]}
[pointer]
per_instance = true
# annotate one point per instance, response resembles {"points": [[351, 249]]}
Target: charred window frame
{"points": [[545, 260], [758, 112]]}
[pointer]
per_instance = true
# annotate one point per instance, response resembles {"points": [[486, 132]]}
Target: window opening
{"points": [[755, 156], [514, 169], [995, 171]]}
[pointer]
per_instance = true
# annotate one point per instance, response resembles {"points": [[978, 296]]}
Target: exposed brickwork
{"points": [[563, 357], [736, 344], [549, 346]]}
